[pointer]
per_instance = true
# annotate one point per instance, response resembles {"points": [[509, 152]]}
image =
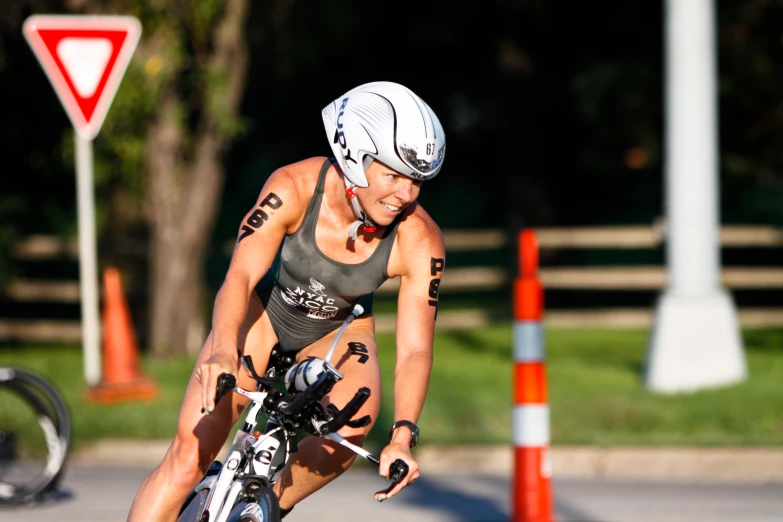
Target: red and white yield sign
{"points": [[85, 58]]}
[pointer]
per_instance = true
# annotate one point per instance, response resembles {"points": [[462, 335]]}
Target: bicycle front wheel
{"points": [[34, 437], [262, 508], [193, 509]]}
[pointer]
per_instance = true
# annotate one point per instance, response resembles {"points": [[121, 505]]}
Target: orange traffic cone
{"points": [[122, 379]]}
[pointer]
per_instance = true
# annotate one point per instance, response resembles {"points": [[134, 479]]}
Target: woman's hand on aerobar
{"points": [[208, 373], [392, 452]]}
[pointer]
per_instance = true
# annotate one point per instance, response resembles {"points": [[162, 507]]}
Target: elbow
{"points": [[418, 357], [235, 286], [238, 279]]}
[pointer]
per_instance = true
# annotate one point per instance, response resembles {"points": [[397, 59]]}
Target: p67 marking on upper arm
{"points": [[436, 269], [257, 218]]}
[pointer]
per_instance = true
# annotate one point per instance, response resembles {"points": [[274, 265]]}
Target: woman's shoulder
{"points": [[300, 178], [303, 172], [417, 226], [419, 243], [309, 166]]}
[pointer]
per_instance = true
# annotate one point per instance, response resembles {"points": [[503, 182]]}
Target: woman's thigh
{"points": [[206, 434], [356, 358]]}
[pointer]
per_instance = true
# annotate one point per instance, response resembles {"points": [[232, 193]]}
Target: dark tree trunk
{"points": [[184, 191]]}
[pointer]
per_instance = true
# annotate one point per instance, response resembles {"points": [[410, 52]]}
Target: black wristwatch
{"points": [[411, 426]]}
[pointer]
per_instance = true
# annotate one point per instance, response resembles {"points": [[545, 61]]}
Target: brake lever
{"points": [[397, 471], [226, 383]]}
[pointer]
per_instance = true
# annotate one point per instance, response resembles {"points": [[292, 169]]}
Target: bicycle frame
{"points": [[256, 458], [225, 486]]}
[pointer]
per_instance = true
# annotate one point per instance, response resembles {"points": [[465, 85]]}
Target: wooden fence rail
{"points": [[731, 236], [474, 279]]}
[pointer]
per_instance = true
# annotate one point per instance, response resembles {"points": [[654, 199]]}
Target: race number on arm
{"points": [[277, 211]]}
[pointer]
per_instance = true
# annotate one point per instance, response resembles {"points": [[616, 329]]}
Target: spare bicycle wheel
{"points": [[34, 437]]}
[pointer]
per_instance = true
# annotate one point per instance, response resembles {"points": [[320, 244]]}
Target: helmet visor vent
{"points": [[427, 166]]}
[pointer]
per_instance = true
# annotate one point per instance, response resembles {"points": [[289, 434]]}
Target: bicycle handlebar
{"points": [[344, 416], [309, 395], [226, 383], [397, 471]]}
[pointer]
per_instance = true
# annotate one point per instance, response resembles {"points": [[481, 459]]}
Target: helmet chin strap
{"points": [[362, 219]]}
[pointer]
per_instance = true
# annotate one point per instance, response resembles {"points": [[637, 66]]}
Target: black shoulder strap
{"points": [[319, 188]]}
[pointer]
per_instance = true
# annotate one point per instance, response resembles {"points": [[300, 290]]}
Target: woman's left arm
{"points": [[421, 257]]}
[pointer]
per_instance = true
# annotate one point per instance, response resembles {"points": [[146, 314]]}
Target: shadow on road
{"points": [[460, 504], [54, 498], [479, 499]]}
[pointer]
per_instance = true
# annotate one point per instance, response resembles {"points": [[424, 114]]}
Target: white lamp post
{"points": [[695, 341]]}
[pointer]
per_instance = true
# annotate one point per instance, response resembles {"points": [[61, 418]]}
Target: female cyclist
{"points": [[341, 228]]}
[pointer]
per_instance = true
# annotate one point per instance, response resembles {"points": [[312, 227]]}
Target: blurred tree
{"points": [[30, 133], [750, 54], [169, 126], [553, 113]]}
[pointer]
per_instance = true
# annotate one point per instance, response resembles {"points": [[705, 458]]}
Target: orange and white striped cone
{"points": [[531, 490]]}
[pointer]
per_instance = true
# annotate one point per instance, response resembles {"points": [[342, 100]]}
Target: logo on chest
{"points": [[314, 300]]}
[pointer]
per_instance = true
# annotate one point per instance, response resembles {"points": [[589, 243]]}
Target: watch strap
{"points": [[411, 426]]}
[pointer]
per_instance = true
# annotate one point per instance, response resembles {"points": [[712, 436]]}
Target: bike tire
{"points": [[194, 507], [264, 507], [53, 419]]}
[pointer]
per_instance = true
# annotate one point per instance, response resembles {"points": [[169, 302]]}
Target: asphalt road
{"points": [[104, 494]]}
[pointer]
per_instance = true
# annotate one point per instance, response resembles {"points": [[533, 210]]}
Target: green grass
{"points": [[90, 421], [17, 421], [595, 393], [598, 398]]}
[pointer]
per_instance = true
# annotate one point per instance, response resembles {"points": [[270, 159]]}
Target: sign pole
{"points": [[88, 261], [85, 58]]}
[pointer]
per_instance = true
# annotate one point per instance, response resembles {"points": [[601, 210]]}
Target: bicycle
{"points": [[35, 434], [240, 490]]}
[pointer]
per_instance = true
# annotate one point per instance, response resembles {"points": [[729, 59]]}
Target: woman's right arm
{"points": [[263, 228]]}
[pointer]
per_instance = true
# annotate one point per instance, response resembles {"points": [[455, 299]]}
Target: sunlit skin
{"points": [[387, 188], [241, 326]]}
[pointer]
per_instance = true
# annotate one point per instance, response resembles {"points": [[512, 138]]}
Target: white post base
{"points": [[695, 344]]}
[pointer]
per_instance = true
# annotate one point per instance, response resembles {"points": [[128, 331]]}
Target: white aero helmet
{"points": [[388, 122]]}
